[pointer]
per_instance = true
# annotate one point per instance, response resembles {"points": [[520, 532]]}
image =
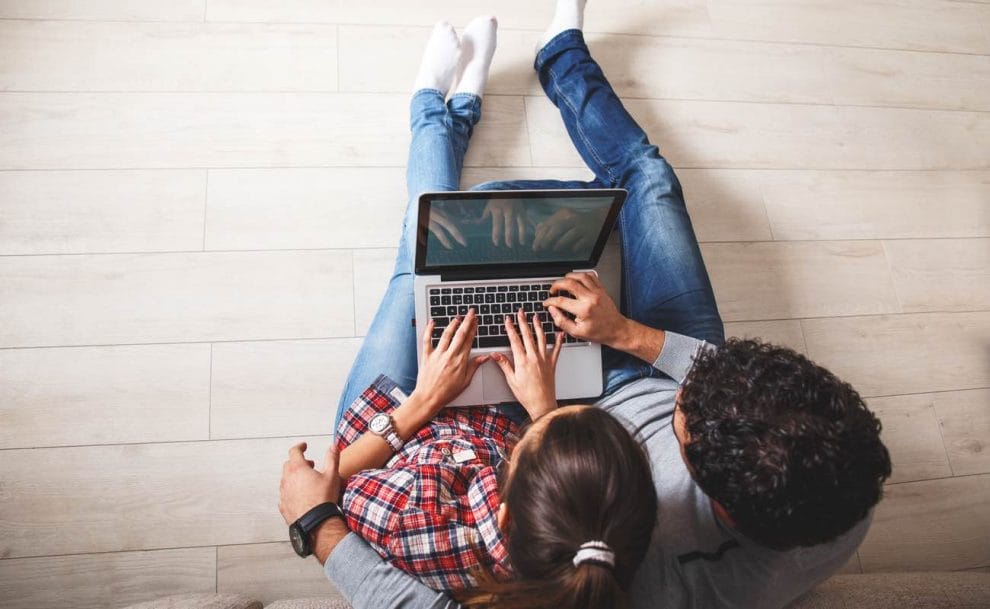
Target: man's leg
{"points": [[665, 284], [440, 135]]}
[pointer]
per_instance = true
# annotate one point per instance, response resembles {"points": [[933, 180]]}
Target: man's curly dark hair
{"points": [[789, 450]]}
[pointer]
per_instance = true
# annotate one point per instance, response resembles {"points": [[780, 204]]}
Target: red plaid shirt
{"points": [[431, 511]]}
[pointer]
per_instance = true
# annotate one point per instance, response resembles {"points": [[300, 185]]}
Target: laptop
{"points": [[498, 251]]}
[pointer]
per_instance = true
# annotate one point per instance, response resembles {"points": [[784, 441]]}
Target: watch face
{"points": [[298, 540], [378, 423]]}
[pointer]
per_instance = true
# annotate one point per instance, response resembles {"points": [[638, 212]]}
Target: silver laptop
{"points": [[498, 251]]}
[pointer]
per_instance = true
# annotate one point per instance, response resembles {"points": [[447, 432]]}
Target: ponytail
{"points": [[582, 478]]}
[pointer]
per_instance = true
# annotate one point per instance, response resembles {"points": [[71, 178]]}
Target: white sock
{"points": [[440, 59], [477, 48], [568, 16]]}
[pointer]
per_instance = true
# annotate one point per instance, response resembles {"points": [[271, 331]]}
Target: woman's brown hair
{"points": [[585, 479]]}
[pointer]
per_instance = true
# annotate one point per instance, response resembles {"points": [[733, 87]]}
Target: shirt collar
{"points": [[484, 501]]}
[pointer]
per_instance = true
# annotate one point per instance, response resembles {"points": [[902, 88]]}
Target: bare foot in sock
{"points": [[477, 49], [568, 16], [440, 59]]}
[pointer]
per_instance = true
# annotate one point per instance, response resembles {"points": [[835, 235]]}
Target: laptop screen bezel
{"points": [[514, 269]]}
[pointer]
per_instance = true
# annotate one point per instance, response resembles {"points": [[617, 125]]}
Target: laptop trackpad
{"points": [[495, 388]]}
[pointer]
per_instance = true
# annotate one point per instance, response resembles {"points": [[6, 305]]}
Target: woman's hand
{"points": [[445, 229], [447, 369], [530, 374]]}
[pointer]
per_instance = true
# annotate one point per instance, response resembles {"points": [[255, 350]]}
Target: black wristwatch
{"points": [[301, 530]]}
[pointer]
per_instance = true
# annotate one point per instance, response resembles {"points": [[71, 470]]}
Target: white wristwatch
{"points": [[381, 425]]}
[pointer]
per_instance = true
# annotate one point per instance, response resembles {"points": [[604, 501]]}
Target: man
{"points": [[766, 466]]}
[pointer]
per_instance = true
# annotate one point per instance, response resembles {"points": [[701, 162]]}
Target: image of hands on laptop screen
{"points": [[510, 230]]}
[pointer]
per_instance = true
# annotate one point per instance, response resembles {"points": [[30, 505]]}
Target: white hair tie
{"points": [[595, 552]]}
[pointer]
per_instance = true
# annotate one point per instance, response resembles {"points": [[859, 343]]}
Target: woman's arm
{"points": [[444, 372]]}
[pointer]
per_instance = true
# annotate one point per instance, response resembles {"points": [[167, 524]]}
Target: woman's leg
{"points": [[665, 283], [440, 135]]}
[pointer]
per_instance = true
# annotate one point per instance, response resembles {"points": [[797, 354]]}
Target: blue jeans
{"points": [[664, 284]]}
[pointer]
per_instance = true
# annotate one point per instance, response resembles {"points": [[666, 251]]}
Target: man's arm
{"points": [[597, 319], [357, 571]]}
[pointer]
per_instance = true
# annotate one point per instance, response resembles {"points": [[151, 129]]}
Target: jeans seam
{"points": [[579, 130]]}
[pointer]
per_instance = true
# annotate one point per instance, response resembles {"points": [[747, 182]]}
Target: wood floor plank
{"points": [[104, 395], [77, 212], [364, 68], [902, 354], [278, 388], [876, 204], [305, 208], [144, 298], [902, 79], [786, 333], [933, 525], [105, 581], [195, 493], [111, 10], [270, 572], [372, 270], [86, 56], [680, 17], [925, 25], [784, 136], [112, 130], [910, 433], [940, 274], [782, 280], [964, 417]]}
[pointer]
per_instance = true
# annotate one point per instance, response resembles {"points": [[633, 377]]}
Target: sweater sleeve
{"points": [[368, 582], [677, 355]]}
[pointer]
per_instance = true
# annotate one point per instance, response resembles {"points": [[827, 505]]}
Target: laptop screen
{"points": [[515, 229]]}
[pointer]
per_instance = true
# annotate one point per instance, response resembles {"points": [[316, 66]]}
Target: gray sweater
{"points": [[694, 561]]}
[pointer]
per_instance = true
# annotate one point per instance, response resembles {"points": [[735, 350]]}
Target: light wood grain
{"points": [[964, 417], [910, 433], [930, 525], [113, 130], [928, 25], [786, 333], [372, 269], [194, 493], [102, 581], [901, 354], [876, 204], [104, 395], [364, 68], [755, 281], [75, 212], [270, 572], [941, 274], [278, 388], [86, 56], [145, 298], [908, 79], [112, 10], [305, 208], [784, 136]]}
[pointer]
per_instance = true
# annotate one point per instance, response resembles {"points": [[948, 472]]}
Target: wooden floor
{"points": [[199, 201]]}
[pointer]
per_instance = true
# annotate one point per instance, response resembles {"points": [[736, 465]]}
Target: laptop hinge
{"points": [[477, 274]]}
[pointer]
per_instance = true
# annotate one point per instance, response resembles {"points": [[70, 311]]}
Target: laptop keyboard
{"points": [[491, 304]]}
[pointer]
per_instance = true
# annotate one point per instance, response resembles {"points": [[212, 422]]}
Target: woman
{"points": [[561, 515]]}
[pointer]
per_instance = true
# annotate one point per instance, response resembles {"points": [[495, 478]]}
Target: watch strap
{"points": [[309, 521], [393, 439]]}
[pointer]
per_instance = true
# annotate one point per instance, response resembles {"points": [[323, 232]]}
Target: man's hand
{"points": [[304, 487], [530, 374], [596, 317], [447, 369]]}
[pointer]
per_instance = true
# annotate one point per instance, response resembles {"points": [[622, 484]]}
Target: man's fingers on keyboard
{"points": [[565, 324], [588, 280], [568, 284], [559, 302]]}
